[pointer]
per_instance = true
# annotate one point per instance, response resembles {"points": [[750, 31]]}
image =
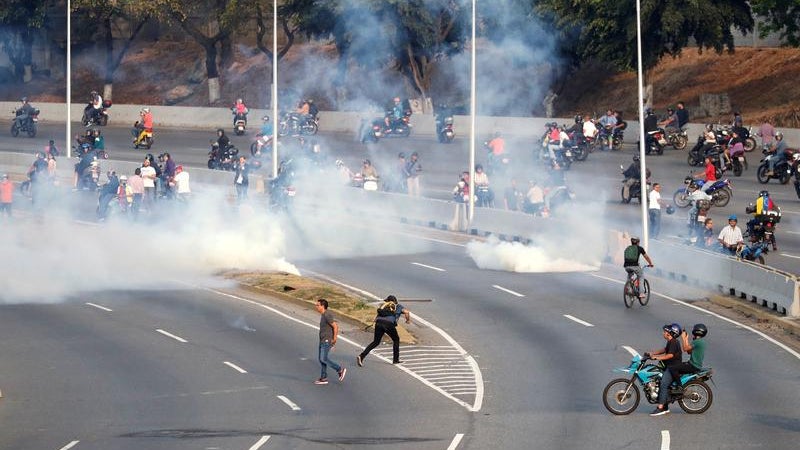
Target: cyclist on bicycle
{"points": [[632, 253]]}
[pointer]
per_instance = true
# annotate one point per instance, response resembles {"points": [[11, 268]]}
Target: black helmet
{"points": [[709, 127], [579, 119], [763, 193], [220, 130], [673, 329], [24, 100], [634, 240], [635, 158], [670, 110], [699, 330], [670, 209]]}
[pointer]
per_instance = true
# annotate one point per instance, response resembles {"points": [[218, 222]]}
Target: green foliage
{"points": [[782, 16], [23, 13], [606, 29]]}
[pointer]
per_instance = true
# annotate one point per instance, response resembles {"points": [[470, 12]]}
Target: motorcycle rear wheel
{"points": [[621, 397], [680, 142], [737, 168], [32, 130], [692, 160], [311, 128], [680, 199], [721, 198], [14, 130], [581, 153], [697, 397], [761, 174], [622, 194], [785, 176]]}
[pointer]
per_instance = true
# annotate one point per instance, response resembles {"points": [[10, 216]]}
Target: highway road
{"points": [[595, 181], [110, 368]]}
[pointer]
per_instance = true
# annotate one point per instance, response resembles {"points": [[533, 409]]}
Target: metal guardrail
{"points": [[771, 288]]}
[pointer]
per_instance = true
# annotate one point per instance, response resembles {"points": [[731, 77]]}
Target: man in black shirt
{"points": [[671, 355], [683, 115]]}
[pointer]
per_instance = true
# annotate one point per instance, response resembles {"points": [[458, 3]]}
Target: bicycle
{"points": [[636, 289]]}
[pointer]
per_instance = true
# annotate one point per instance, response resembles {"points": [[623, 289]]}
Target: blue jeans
{"points": [[655, 222], [325, 361], [663, 388]]}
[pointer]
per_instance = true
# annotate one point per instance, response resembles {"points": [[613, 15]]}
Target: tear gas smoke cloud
{"points": [[52, 261]]}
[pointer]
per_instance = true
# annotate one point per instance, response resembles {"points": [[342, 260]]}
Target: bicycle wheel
{"points": [[628, 295], [645, 290]]}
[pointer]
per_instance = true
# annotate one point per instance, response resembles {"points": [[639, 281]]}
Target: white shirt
{"points": [[731, 235], [148, 176], [589, 130], [182, 182], [653, 199]]}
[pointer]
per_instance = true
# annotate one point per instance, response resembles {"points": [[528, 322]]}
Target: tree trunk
{"points": [[213, 89], [108, 41], [108, 91], [212, 72], [27, 74]]}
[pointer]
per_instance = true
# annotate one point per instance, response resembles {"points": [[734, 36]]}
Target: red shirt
{"points": [[711, 172], [6, 191], [147, 120]]}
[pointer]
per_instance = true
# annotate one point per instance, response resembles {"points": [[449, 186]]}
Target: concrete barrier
{"points": [[334, 121]]}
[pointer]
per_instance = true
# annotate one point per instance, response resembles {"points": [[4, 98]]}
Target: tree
{"points": [[606, 29], [104, 14], [19, 20], [781, 16]]}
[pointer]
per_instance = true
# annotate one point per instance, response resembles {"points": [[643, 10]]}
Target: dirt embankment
{"points": [[761, 83]]}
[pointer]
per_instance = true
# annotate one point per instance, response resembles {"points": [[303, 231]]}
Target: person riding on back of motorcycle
{"points": [[696, 348], [633, 175], [778, 150], [683, 115], [589, 129], [761, 209], [23, 112], [144, 124], [609, 120], [99, 142], [631, 258], [239, 111]]}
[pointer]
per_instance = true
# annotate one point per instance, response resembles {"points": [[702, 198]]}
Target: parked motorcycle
{"points": [[621, 396], [28, 125], [720, 192], [100, 119]]}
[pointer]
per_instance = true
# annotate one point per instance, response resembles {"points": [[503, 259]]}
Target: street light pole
{"points": [[471, 204], [642, 163], [68, 77], [275, 120]]}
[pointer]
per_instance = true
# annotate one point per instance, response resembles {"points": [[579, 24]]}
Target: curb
{"points": [[751, 308]]}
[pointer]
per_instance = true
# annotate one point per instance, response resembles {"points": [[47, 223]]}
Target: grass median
{"points": [[306, 291]]}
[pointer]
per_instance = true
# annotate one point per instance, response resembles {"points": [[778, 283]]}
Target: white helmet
{"points": [[145, 110], [123, 178]]}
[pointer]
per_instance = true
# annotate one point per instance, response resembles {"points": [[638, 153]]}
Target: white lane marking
{"points": [[792, 232], [428, 267], [575, 319], [70, 445], [664, 440], [508, 290], [790, 256], [168, 334], [456, 441], [718, 316], [290, 403], [631, 350], [475, 407], [234, 367], [259, 443], [100, 307]]}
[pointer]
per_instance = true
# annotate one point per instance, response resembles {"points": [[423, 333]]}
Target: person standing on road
{"points": [[242, 179], [654, 210], [386, 323], [6, 195], [411, 171], [136, 184], [328, 332], [148, 174]]}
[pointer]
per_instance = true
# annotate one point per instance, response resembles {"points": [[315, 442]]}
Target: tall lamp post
{"points": [[274, 88], [471, 204], [68, 77], [642, 162]]}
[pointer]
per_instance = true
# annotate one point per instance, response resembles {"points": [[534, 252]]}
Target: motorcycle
{"points": [[281, 188], [635, 191], [738, 161], [84, 147], [621, 396], [28, 125], [240, 123], [564, 155], [678, 139], [89, 178], [144, 136], [100, 119], [748, 140], [371, 131], [257, 146], [297, 124], [755, 250], [222, 159], [763, 226], [610, 138], [656, 142], [580, 146], [496, 164], [398, 127], [796, 172], [782, 172], [444, 129], [369, 183], [720, 192]]}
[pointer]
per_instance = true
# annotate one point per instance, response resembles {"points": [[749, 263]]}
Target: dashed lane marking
{"points": [[70, 445], [428, 267], [289, 403], [259, 443], [664, 439], [508, 291], [234, 367], [456, 441], [170, 335], [575, 319], [790, 256], [94, 305]]}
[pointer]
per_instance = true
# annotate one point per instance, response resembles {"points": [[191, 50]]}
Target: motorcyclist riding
{"points": [[633, 175], [395, 114], [650, 126], [778, 149], [762, 210], [94, 107], [266, 134], [23, 112], [239, 111], [670, 123], [142, 126]]}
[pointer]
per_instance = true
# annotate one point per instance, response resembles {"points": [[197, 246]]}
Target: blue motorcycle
{"points": [[720, 193], [754, 251], [621, 396]]}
